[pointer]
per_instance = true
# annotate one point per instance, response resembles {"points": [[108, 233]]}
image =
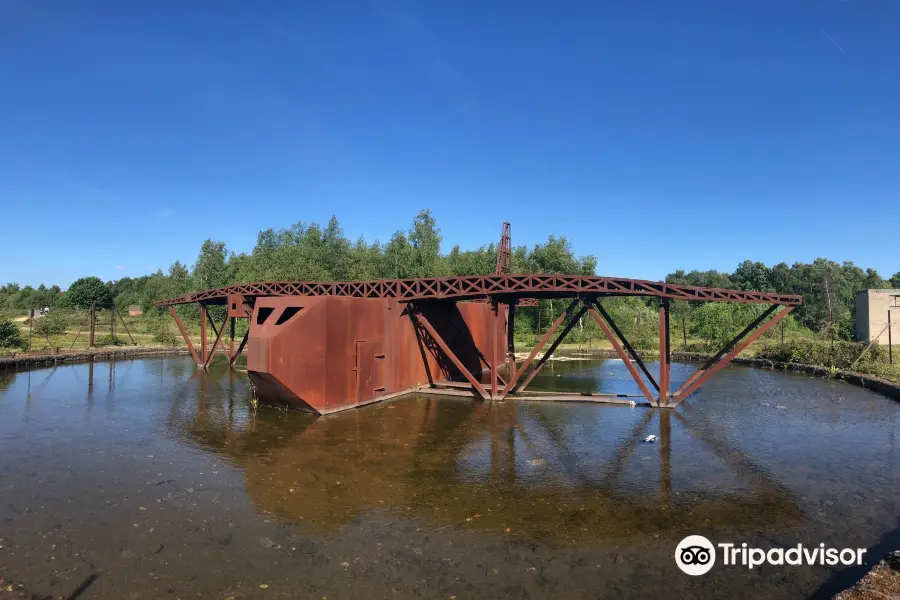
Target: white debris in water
{"points": [[650, 439]]}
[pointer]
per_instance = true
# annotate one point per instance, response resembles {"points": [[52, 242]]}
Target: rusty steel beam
{"points": [[417, 329], [216, 332], [215, 345], [691, 386], [480, 286], [726, 348], [231, 344], [184, 334], [665, 356], [203, 340], [514, 374], [510, 346], [622, 354], [628, 347], [551, 350], [423, 321], [504, 255], [212, 323], [495, 309], [240, 349]]}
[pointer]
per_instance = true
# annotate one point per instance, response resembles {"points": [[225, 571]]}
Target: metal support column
{"points": [[203, 340], [495, 347], [510, 343], [665, 356], [231, 344]]}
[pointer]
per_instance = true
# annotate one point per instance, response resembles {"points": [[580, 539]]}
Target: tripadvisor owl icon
{"points": [[695, 555]]}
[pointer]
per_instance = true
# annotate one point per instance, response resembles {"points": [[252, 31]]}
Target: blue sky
{"points": [[656, 134]]}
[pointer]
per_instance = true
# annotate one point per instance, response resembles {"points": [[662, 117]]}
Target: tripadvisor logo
{"points": [[696, 555]]}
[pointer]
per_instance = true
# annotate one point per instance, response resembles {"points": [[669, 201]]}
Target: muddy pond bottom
{"points": [[150, 479]]}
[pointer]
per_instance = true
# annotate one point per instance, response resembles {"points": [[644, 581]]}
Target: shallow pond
{"points": [[150, 479]]}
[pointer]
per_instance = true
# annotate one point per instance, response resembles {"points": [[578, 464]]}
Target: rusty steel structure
{"points": [[330, 346]]}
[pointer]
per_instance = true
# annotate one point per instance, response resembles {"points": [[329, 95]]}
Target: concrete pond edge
{"points": [[27, 361]]}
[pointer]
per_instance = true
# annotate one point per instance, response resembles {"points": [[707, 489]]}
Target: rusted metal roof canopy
{"points": [[503, 287], [355, 342]]}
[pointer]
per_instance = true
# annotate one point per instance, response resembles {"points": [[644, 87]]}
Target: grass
{"points": [[76, 337], [872, 363]]}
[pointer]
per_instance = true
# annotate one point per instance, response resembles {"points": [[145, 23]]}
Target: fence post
{"points": [[30, 325], [91, 328], [890, 340]]}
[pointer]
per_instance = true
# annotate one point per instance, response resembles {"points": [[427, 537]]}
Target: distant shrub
{"points": [[164, 336], [841, 355], [10, 336], [53, 323], [109, 340]]}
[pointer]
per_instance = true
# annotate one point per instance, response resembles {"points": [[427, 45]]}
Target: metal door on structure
{"points": [[369, 369]]}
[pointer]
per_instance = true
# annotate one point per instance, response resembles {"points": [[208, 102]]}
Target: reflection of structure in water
{"points": [[538, 469]]}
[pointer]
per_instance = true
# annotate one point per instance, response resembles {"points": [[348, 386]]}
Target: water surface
{"points": [[163, 482]]}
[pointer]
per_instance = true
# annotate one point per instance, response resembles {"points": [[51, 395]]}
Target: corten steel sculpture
{"points": [[329, 346]]}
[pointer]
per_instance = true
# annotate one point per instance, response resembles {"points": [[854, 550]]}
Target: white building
{"points": [[874, 308]]}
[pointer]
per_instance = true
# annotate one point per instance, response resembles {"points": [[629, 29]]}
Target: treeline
{"points": [[310, 252]]}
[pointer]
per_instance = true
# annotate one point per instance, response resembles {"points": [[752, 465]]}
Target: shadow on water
{"points": [[541, 470]]}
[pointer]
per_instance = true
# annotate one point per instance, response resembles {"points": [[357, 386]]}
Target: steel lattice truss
{"points": [[504, 288]]}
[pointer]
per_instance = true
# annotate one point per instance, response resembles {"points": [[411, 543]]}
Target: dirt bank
{"points": [[883, 581]]}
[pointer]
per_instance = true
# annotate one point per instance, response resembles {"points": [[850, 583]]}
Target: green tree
{"points": [[53, 323], [397, 261], [895, 280], [10, 336], [425, 244], [211, 269], [86, 290], [753, 276]]}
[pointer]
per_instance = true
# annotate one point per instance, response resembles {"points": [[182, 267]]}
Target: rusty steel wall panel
{"points": [[336, 353], [405, 365], [348, 320], [238, 307], [369, 370], [292, 352]]}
